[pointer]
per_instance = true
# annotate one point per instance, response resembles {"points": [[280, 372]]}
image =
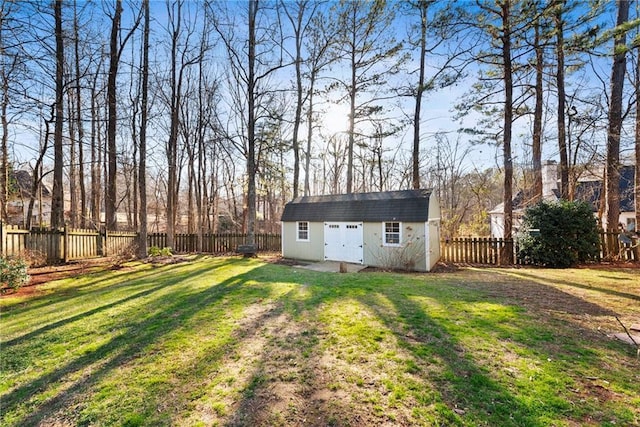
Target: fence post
{"points": [[104, 243], [3, 238], [65, 243]]}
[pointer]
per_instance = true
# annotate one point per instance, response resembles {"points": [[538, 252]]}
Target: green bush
{"points": [[568, 234], [13, 273], [155, 251]]}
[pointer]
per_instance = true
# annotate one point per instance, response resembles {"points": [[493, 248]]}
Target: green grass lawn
{"points": [[232, 341]]}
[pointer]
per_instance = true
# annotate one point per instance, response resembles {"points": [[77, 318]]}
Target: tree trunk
{"points": [[307, 154], [57, 202], [352, 109], [111, 194], [4, 162], [142, 171], [298, 113], [96, 154], [79, 124], [562, 134], [415, 160], [73, 174], [508, 120], [637, 147], [251, 138], [172, 143], [615, 121], [537, 116]]}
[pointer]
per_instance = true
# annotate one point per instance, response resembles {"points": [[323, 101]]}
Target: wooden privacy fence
{"points": [[614, 246], [66, 244], [215, 243], [484, 250], [475, 250]]}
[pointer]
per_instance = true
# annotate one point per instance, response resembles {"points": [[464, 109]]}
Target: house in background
{"points": [[392, 229], [588, 189], [18, 206]]}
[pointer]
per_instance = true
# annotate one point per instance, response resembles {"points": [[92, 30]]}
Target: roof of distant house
{"points": [[589, 191], [25, 182]]}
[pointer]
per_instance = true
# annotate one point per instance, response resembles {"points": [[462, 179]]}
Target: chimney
{"points": [[549, 180]]}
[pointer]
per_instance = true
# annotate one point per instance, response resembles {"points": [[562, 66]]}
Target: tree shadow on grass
{"points": [[470, 392], [462, 384], [168, 313], [314, 402], [465, 384], [60, 323], [574, 284], [290, 383], [61, 296], [292, 323]]}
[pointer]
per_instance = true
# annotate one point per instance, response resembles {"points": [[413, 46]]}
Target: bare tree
{"points": [[365, 44], [12, 75], [117, 44], [637, 143], [144, 114], [560, 84], [439, 27], [253, 60], [57, 203], [615, 119], [79, 123], [299, 15], [536, 151], [321, 37]]}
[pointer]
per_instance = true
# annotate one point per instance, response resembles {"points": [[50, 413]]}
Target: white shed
{"points": [[391, 229]]}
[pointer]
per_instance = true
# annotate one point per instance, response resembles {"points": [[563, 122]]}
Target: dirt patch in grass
{"points": [[42, 275]]}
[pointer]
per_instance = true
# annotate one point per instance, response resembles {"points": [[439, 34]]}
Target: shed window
{"points": [[303, 231], [392, 233]]}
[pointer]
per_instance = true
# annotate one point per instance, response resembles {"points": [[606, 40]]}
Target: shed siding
{"points": [[433, 249], [313, 250], [411, 250]]}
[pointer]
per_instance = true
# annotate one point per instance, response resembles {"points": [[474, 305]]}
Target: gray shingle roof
{"points": [[404, 205]]}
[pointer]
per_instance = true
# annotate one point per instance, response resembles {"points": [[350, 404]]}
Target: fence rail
{"points": [[66, 244], [491, 251]]}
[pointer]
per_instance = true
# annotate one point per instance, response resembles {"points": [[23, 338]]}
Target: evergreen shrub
{"points": [[568, 234], [13, 273]]}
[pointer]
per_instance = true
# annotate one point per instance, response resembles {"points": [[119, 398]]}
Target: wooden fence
{"points": [[215, 243], [473, 250], [476, 250], [66, 244]]}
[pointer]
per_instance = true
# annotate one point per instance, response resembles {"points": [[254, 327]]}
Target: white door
{"points": [[343, 242]]}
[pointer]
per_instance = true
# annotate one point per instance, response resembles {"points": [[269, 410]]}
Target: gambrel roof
{"points": [[404, 205]]}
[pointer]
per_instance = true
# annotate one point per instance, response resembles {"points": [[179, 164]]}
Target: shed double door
{"points": [[343, 242]]}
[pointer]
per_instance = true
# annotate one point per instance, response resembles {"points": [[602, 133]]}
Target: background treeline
{"points": [[197, 116]]}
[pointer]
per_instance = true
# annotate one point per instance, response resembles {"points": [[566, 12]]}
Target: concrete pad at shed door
{"points": [[331, 267]]}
